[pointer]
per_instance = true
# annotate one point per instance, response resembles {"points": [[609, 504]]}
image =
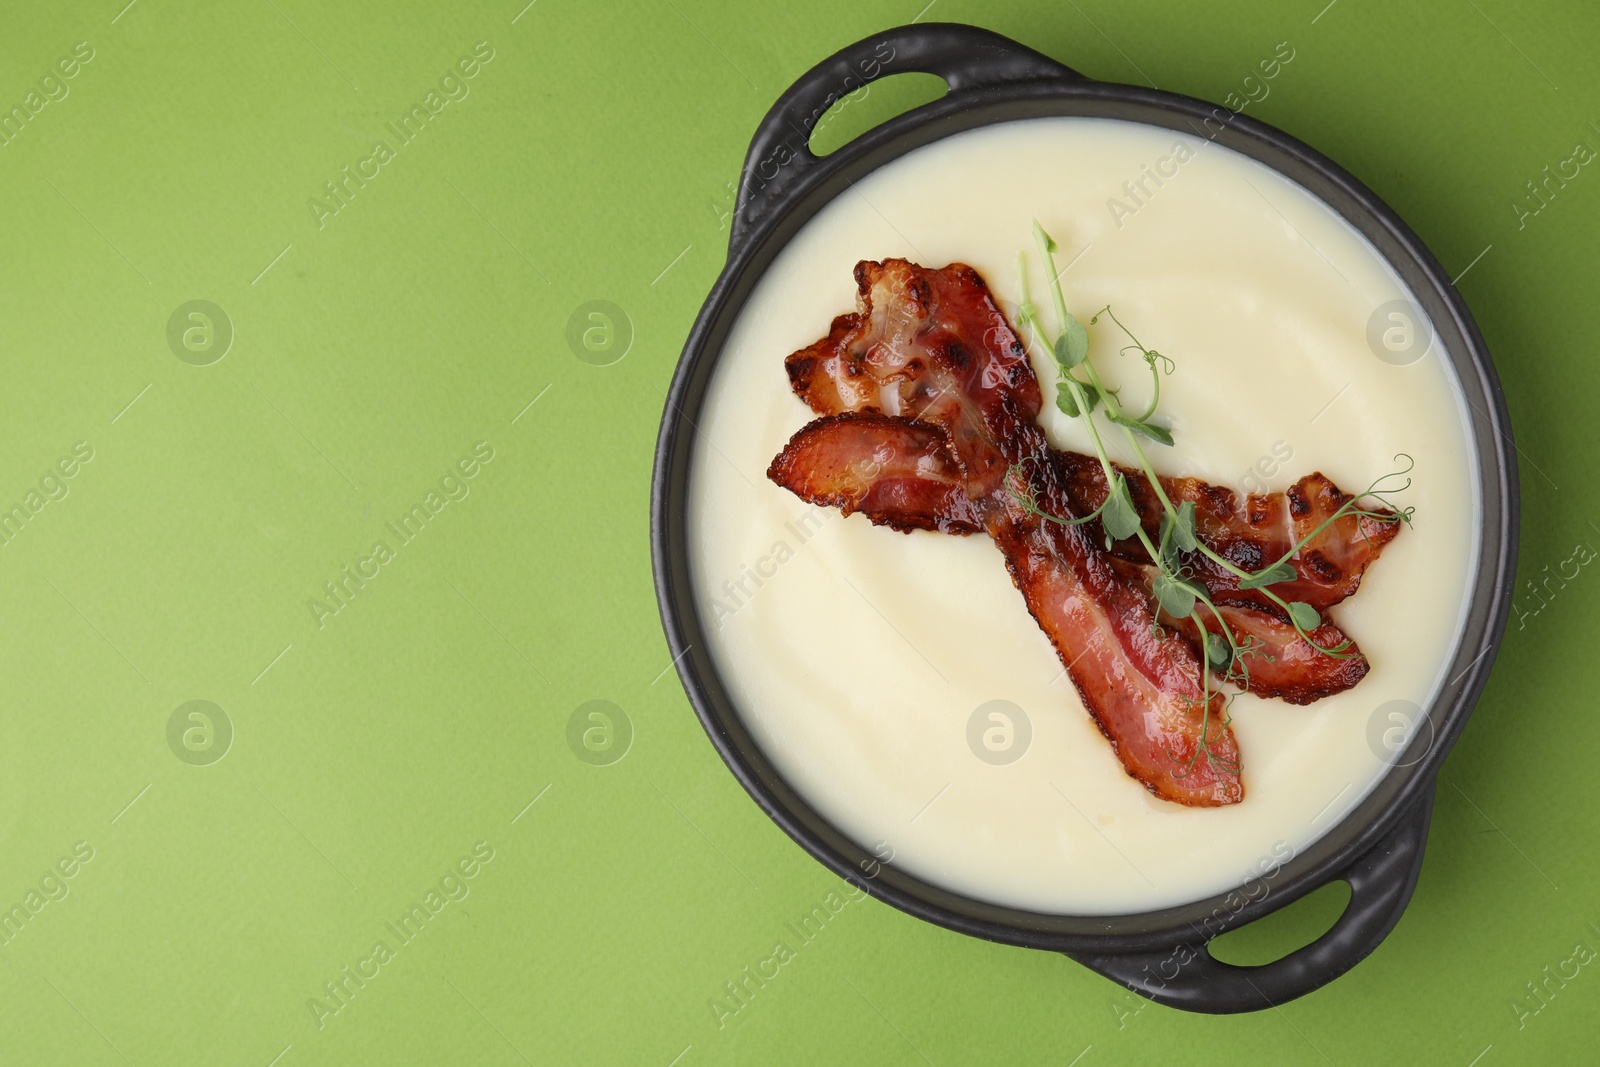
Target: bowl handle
{"points": [[969, 59], [1381, 882]]}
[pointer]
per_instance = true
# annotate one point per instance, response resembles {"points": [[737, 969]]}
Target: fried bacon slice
{"points": [[1281, 663], [1251, 532], [899, 473], [930, 347]]}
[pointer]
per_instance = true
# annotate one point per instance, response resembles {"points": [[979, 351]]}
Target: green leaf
{"points": [[1170, 561], [1068, 402], [1183, 534], [1065, 399], [1170, 558], [1043, 238], [1150, 430], [1305, 616], [1218, 652], [1177, 598], [1177, 535], [1118, 516], [1073, 344], [1278, 572]]}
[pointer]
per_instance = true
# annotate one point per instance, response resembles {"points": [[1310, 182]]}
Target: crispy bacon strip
{"points": [[1250, 533], [1284, 665], [931, 345], [899, 473]]}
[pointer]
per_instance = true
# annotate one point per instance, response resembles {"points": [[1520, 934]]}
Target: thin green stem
{"points": [[1031, 506], [1047, 250], [1067, 356]]}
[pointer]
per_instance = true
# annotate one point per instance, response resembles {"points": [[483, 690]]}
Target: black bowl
{"points": [[1377, 848]]}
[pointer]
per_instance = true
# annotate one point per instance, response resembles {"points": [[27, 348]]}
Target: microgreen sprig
{"points": [[1178, 593]]}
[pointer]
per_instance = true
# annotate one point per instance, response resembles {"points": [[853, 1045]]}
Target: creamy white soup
{"points": [[867, 662]]}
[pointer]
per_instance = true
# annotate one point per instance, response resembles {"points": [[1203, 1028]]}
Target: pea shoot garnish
{"points": [[1225, 653]]}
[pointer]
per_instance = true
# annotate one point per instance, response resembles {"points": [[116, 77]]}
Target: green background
{"points": [[594, 160]]}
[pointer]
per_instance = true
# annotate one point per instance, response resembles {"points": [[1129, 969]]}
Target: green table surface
{"points": [[358, 356]]}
